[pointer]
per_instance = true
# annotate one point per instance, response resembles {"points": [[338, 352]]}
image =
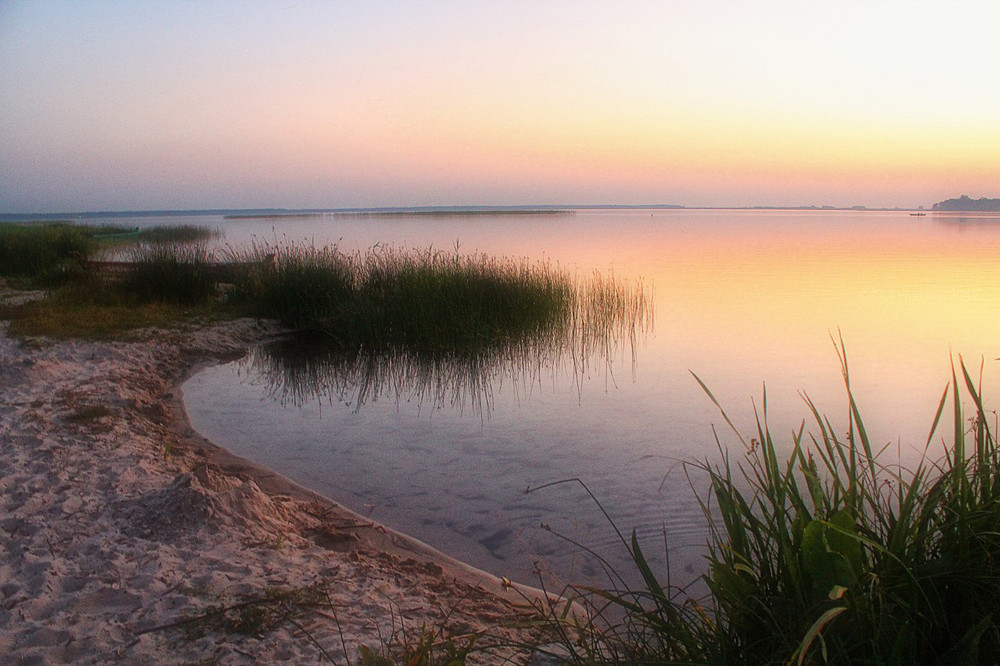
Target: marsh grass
{"points": [[159, 286], [438, 329], [439, 306], [177, 273], [609, 315], [438, 301], [303, 286], [386, 299], [113, 237], [173, 234], [826, 555], [43, 253], [51, 254]]}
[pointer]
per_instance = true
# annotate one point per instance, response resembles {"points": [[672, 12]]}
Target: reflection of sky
{"points": [[742, 299], [117, 105]]}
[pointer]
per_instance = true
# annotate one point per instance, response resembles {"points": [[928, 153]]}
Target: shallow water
{"points": [[743, 299]]}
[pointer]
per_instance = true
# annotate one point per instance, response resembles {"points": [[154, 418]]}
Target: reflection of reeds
{"points": [[425, 301], [609, 315], [440, 329], [295, 371]]}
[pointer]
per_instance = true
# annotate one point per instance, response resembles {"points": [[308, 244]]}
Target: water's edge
{"points": [[375, 535]]}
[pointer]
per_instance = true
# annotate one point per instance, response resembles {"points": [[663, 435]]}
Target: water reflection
{"points": [[608, 321], [743, 298], [952, 218]]}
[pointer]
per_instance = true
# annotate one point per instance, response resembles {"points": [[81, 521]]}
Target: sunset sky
{"points": [[305, 104]]}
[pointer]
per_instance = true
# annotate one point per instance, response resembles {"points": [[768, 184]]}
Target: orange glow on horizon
{"points": [[344, 103]]}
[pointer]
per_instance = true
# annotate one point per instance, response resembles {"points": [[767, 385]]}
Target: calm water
{"points": [[744, 299]]}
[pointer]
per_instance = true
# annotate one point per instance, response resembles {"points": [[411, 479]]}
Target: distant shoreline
{"points": [[261, 213], [401, 213]]}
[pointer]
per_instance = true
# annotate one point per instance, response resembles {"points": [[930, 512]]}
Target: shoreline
{"points": [[127, 536]]}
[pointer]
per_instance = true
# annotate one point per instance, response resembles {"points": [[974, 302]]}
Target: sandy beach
{"points": [[128, 538]]}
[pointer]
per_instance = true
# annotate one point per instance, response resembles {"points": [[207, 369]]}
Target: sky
{"points": [[123, 105]]}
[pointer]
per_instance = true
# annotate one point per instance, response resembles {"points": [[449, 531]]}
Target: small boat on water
{"points": [[917, 214]]}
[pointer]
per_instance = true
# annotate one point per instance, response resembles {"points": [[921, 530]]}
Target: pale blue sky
{"points": [[139, 105]]}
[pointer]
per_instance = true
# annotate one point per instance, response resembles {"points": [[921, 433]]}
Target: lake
{"points": [[744, 299]]}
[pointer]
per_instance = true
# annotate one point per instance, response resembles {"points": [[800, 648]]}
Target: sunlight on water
{"points": [[743, 299]]}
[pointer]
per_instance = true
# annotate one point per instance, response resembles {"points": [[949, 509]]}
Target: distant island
{"points": [[966, 203]]}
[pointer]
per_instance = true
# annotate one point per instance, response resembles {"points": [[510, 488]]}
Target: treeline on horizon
{"points": [[966, 203]]}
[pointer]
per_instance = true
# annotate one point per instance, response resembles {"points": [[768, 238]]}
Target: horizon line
{"points": [[166, 212]]}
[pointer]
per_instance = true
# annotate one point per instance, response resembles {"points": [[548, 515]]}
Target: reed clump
{"points": [[429, 327], [177, 273], [825, 555], [43, 253], [442, 302], [428, 301], [174, 234], [302, 286], [592, 321]]}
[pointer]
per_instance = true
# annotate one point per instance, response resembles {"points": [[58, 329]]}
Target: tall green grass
{"points": [[54, 253], [429, 301], [430, 327], [303, 286], [383, 301], [826, 555], [176, 234], [177, 273], [451, 373], [438, 301], [42, 252]]}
